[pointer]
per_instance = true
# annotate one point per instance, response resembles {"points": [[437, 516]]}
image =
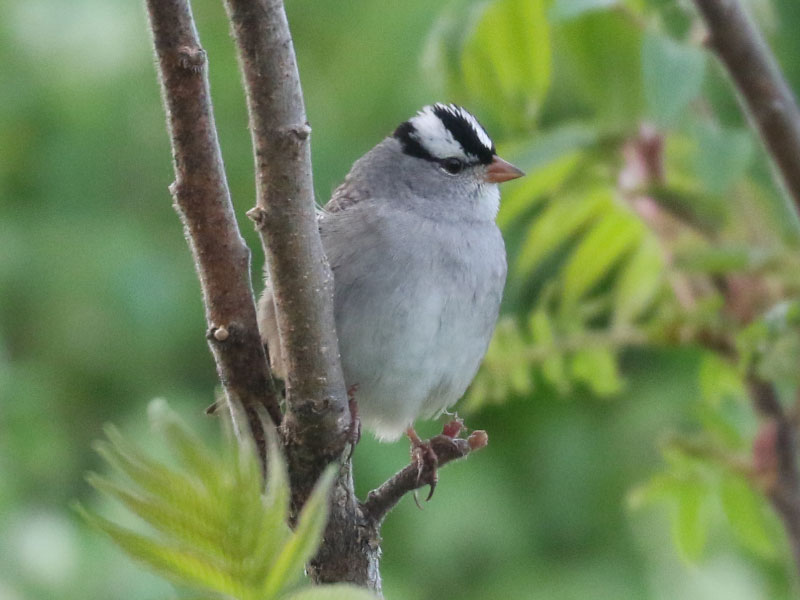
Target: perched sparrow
{"points": [[419, 268]]}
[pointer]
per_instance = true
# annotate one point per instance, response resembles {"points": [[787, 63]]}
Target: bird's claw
{"points": [[424, 458]]}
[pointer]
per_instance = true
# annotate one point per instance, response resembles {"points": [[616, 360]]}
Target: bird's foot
{"points": [[453, 428], [426, 461], [354, 431]]}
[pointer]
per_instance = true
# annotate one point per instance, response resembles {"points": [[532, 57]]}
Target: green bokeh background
{"points": [[100, 311]]}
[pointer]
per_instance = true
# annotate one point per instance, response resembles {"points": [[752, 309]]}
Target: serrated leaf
{"points": [[689, 528], [305, 540], [506, 61], [610, 238], [188, 446], [179, 565], [333, 592], [639, 281], [171, 520], [217, 530], [747, 515], [273, 531], [597, 368], [672, 75], [557, 224], [155, 478]]}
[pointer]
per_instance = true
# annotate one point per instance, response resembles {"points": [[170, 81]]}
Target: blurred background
{"points": [[648, 224]]}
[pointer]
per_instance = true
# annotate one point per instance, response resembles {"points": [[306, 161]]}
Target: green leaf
{"points": [[564, 10], [601, 52], [722, 157], [672, 74], [716, 261], [553, 366], [506, 61], [660, 487], [216, 530], [689, 528], [748, 516], [188, 446], [549, 160], [536, 185], [180, 524], [441, 58], [639, 282], [179, 565], [719, 380], [333, 592], [154, 478], [306, 538], [597, 253], [597, 368], [273, 531], [557, 224]]}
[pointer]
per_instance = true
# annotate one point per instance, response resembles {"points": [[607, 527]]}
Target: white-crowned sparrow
{"points": [[419, 268]]}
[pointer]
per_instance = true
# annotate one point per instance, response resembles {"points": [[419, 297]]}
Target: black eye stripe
{"points": [[411, 145]]}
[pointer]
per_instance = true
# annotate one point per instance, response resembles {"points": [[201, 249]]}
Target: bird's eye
{"points": [[453, 165]]}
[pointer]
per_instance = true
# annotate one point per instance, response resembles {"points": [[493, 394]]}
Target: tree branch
{"points": [[202, 200], [758, 78], [318, 418], [384, 498], [775, 459]]}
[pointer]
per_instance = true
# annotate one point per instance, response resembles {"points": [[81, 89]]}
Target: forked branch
{"points": [[202, 200]]}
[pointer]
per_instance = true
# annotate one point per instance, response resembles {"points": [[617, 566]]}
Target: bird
{"points": [[419, 267]]}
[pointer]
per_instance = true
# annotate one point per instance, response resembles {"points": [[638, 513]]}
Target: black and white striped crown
{"points": [[441, 131]]}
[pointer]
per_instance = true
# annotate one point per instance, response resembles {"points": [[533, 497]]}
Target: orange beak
{"points": [[500, 170]]}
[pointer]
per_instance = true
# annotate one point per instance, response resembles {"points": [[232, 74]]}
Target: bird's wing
{"points": [[343, 197]]}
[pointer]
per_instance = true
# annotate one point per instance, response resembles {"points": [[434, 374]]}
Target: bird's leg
{"points": [[425, 460], [424, 456], [354, 431]]}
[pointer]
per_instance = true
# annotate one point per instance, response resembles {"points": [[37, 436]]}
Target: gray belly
{"points": [[414, 325]]}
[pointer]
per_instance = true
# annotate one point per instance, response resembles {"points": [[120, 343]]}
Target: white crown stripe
{"points": [[469, 118], [432, 134]]}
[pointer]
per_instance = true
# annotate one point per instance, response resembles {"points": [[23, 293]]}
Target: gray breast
{"points": [[416, 302]]}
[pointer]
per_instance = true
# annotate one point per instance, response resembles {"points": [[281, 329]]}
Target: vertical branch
{"points": [[774, 111], [317, 419], [775, 459], [202, 200], [758, 78]]}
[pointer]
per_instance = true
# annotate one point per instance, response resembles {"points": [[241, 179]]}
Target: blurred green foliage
{"points": [[649, 220], [218, 532]]}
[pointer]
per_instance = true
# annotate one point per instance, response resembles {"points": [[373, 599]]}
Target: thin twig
{"points": [[202, 200], [775, 455], [758, 78], [382, 499]]}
